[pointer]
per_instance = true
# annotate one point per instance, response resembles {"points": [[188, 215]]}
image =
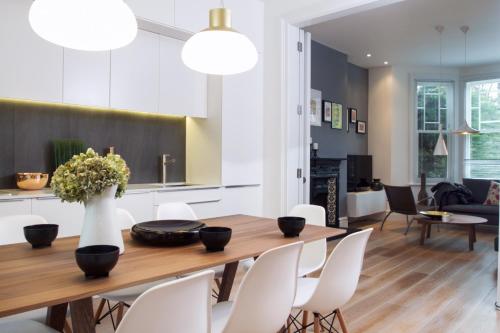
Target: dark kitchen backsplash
{"points": [[28, 129]]}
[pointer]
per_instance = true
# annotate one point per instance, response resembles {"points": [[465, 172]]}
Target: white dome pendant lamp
{"points": [[87, 25], [219, 49]]}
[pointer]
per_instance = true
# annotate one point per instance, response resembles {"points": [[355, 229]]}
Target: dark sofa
{"points": [[479, 189]]}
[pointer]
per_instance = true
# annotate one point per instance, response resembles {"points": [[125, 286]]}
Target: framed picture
{"points": [[337, 116], [348, 121], [327, 111], [361, 127], [315, 107], [353, 115]]}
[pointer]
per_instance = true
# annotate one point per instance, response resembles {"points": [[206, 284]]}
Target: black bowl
{"points": [[291, 226], [41, 235], [97, 260], [215, 238]]}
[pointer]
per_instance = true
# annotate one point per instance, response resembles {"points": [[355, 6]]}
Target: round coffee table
{"points": [[467, 221]]}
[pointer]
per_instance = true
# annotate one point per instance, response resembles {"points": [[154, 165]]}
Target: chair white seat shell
{"points": [[265, 297], [182, 305], [25, 326]]}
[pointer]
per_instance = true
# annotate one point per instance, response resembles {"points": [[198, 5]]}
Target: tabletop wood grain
{"points": [[31, 279]]}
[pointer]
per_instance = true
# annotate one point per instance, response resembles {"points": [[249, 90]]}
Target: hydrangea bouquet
{"points": [[88, 174]]}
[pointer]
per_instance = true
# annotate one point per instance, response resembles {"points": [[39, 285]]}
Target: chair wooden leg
{"points": [[119, 315], [98, 313], [342, 323], [304, 321], [67, 327], [317, 324]]}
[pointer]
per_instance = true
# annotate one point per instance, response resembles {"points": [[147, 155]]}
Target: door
{"points": [[297, 152]]}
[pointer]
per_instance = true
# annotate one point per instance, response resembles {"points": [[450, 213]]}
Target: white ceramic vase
{"points": [[100, 225]]}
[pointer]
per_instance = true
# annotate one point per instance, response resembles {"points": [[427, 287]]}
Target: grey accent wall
{"points": [[27, 131], [347, 84]]}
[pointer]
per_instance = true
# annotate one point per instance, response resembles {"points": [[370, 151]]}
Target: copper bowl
{"points": [[31, 180]]}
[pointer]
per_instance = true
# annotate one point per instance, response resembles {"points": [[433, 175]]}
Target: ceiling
{"points": [[404, 33]]}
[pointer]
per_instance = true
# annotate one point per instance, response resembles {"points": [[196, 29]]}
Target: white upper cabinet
{"points": [[30, 67], [182, 90], [135, 74], [160, 11], [86, 78], [248, 18], [242, 123], [192, 15]]}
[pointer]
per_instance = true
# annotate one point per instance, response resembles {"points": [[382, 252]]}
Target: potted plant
{"points": [[94, 181]]}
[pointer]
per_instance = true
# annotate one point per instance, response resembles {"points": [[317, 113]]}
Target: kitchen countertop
{"points": [[17, 194]]}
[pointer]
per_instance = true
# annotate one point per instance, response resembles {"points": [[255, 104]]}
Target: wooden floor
{"points": [[440, 287]]}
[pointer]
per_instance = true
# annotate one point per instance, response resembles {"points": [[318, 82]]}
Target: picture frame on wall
{"points": [[361, 127], [316, 107], [327, 111], [353, 115], [347, 121], [337, 117]]}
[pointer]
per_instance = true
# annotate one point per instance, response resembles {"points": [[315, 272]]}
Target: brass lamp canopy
{"points": [[466, 130], [220, 19]]}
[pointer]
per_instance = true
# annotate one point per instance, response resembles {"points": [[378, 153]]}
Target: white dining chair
{"points": [[265, 296], [12, 232], [123, 297], [182, 305], [324, 296], [313, 255]]}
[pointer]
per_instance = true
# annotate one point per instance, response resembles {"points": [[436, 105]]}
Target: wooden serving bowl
{"points": [[31, 180]]}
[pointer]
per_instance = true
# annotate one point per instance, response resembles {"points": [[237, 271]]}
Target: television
{"points": [[359, 172]]}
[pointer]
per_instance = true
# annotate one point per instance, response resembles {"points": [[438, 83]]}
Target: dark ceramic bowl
{"points": [[41, 235], [97, 260], [291, 226], [215, 238]]}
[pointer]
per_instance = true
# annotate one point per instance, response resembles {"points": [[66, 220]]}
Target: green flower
{"points": [[89, 174]]}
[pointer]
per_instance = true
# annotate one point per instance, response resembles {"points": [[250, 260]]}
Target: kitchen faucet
{"points": [[165, 161]]}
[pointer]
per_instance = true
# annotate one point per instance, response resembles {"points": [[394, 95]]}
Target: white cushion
{"points": [[305, 289], [220, 315], [25, 326]]}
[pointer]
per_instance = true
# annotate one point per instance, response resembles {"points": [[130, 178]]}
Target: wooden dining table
{"points": [[49, 277]]}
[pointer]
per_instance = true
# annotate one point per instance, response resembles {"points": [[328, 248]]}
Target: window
{"points": [[482, 151], [434, 106]]}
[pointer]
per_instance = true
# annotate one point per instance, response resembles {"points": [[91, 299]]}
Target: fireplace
{"points": [[325, 176]]}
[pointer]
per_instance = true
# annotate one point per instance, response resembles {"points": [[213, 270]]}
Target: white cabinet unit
{"points": [[192, 15], [135, 74], [182, 90], [30, 67], [160, 11], [243, 200], [86, 78], [366, 203], [140, 205], [206, 203], [69, 216], [15, 207], [242, 117]]}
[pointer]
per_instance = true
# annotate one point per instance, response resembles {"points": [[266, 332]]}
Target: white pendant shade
{"points": [[88, 25], [219, 50], [440, 149], [465, 129]]}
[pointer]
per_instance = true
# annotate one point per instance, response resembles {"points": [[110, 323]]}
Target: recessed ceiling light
{"points": [[368, 55], [386, 63]]}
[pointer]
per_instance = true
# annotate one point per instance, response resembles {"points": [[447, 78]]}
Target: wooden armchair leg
{"points": [[342, 323], [119, 316], [304, 321], [317, 324], [98, 313]]}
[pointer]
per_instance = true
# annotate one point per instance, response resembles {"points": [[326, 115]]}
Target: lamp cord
{"points": [[222, 3]]}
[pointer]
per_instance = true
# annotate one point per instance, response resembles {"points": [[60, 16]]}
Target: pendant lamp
{"points": [[87, 25], [219, 49], [440, 149], [465, 129]]}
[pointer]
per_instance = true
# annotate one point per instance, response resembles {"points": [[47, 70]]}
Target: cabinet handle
{"points": [[47, 198], [12, 200]]}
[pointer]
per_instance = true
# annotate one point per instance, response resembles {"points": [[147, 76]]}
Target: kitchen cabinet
{"points": [[243, 200], [134, 74], [30, 67], [86, 78], [242, 122], [15, 207], [159, 11], [69, 216], [140, 205], [206, 203], [192, 15], [182, 90]]}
